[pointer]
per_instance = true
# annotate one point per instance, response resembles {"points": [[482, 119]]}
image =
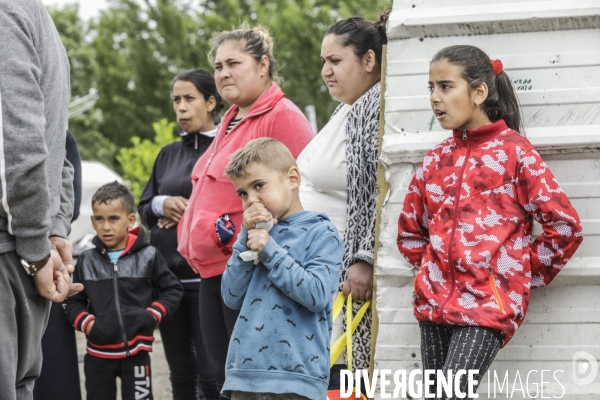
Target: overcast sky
{"points": [[87, 8]]}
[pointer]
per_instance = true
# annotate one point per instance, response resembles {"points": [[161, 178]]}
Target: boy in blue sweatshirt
{"points": [[279, 348]]}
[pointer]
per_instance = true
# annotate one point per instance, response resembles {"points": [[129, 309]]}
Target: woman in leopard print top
{"points": [[339, 166]]}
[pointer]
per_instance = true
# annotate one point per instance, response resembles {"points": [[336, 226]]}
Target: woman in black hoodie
{"points": [[197, 104]]}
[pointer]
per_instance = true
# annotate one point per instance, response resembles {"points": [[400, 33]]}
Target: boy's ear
{"points": [[293, 176], [131, 220]]}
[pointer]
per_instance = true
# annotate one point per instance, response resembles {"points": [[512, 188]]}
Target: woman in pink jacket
{"points": [[245, 74]]}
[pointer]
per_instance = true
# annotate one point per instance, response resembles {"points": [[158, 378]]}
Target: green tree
{"points": [[142, 45], [137, 161], [135, 48], [74, 33]]}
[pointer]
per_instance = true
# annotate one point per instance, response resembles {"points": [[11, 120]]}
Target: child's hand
{"points": [[88, 328], [254, 214], [257, 239]]}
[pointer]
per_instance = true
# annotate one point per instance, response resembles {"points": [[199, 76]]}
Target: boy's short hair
{"points": [[266, 151], [113, 191]]}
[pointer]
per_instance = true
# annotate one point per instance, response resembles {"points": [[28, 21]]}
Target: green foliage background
{"points": [[137, 161], [133, 50]]}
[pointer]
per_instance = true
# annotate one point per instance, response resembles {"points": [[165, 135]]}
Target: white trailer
{"points": [[551, 50]]}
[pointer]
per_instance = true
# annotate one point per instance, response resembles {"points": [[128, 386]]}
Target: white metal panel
{"points": [[551, 51]]}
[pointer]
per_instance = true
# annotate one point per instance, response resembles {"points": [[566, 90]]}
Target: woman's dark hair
{"points": [[362, 35], [205, 83], [502, 102], [255, 41]]}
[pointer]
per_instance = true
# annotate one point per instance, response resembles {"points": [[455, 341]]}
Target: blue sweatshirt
{"points": [[280, 343]]}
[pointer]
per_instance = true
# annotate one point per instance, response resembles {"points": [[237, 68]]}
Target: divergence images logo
{"points": [[584, 367]]}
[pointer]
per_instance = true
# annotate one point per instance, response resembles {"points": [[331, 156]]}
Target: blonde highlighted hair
{"points": [[266, 151], [255, 41]]}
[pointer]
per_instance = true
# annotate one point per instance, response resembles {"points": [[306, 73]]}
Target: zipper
{"points": [[455, 222], [215, 148], [196, 144], [118, 306], [495, 288]]}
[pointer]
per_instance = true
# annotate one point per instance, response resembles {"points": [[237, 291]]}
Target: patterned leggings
{"points": [[452, 348]]}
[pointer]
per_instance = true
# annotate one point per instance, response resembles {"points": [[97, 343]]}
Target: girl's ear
{"points": [[369, 61], [480, 94]]}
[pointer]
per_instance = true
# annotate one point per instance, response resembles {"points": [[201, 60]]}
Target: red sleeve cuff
{"points": [[83, 320], [156, 313], [162, 308]]}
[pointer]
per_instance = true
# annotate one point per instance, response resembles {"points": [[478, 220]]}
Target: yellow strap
{"points": [[337, 306], [346, 339], [349, 330]]}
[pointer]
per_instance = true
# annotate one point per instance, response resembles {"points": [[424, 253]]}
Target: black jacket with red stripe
{"points": [[123, 298]]}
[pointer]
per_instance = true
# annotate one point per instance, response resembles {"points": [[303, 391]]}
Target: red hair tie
{"points": [[497, 66]]}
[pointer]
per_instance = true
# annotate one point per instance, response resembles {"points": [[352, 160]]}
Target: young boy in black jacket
{"points": [[128, 290]]}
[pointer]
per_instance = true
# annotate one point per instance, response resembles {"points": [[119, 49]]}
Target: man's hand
{"points": [[64, 248], [174, 207], [359, 281], [53, 280], [166, 223], [88, 328], [257, 239], [256, 213]]}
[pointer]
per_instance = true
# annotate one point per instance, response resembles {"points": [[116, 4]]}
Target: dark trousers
{"points": [[453, 348], [101, 377], [184, 348], [216, 322], [59, 379], [23, 317]]}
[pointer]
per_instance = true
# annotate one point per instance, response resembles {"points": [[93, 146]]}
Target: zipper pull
{"points": [[491, 270], [116, 268], [465, 134], [196, 145]]}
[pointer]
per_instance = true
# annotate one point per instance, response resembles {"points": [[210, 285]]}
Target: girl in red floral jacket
{"points": [[467, 218]]}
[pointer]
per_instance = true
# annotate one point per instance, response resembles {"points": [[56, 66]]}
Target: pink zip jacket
{"points": [[467, 225], [213, 195]]}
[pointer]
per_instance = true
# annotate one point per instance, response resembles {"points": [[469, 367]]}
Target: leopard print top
{"points": [[362, 143]]}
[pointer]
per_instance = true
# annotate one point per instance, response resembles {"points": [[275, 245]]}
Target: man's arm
{"points": [[23, 151], [24, 189]]}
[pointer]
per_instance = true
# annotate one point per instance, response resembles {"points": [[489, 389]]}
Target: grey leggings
{"points": [[453, 348]]}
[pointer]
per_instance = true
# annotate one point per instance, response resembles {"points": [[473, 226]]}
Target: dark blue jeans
{"points": [[59, 379]]}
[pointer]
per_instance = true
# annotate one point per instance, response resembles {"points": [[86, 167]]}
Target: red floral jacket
{"points": [[466, 224]]}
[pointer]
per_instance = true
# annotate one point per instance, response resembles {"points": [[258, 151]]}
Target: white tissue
{"points": [[253, 255], [265, 225], [250, 256]]}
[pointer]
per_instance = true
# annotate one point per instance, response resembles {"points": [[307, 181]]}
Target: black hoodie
{"points": [[123, 297], [171, 176]]}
